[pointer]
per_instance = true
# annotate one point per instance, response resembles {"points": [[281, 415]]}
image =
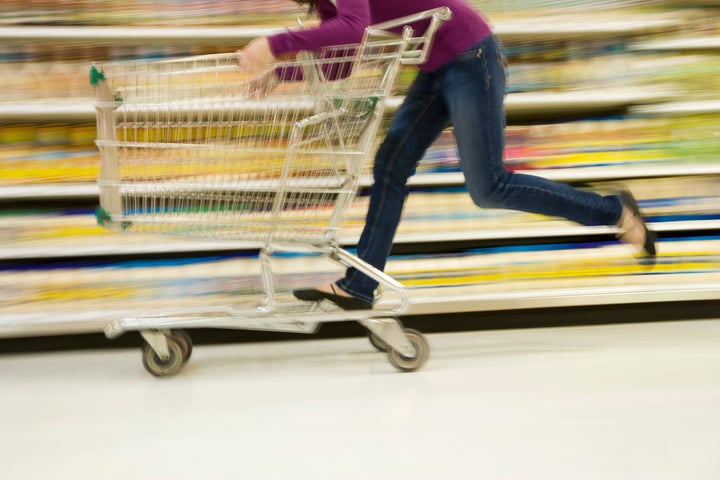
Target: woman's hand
{"points": [[261, 85], [256, 56]]}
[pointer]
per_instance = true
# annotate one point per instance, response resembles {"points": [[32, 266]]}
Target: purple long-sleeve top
{"points": [[345, 24]]}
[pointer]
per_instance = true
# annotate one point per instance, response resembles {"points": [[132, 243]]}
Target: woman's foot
{"points": [[333, 293], [632, 226]]}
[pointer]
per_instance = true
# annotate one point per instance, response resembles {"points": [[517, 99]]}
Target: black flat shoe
{"points": [[628, 200], [308, 294], [346, 303]]}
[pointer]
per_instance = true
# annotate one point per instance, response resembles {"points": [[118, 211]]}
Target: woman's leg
{"points": [[470, 92], [474, 88], [417, 123]]}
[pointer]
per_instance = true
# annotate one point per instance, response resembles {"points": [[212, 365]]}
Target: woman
{"points": [[461, 84]]}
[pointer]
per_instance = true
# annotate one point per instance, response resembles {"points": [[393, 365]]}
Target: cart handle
{"points": [[415, 57], [439, 14]]}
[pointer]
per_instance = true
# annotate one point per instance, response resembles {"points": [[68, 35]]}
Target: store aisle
{"points": [[628, 401]]}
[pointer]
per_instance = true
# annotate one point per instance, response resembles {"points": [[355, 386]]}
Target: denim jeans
{"points": [[467, 93]]}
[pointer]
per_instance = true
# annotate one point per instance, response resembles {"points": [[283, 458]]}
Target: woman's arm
{"points": [[341, 25], [346, 26]]}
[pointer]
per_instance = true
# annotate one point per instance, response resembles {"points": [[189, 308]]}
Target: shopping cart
{"points": [[201, 147]]}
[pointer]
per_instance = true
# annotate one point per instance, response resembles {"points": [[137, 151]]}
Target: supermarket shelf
{"points": [[68, 191], [582, 174], [539, 104], [113, 245], [50, 191], [679, 108], [686, 271], [82, 110], [110, 35], [437, 301], [679, 44], [563, 27], [535, 28], [545, 232]]}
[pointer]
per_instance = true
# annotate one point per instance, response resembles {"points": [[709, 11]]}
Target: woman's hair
{"points": [[312, 4]]}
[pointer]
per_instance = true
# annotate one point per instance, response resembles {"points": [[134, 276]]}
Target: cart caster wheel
{"points": [[162, 368], [422, 352], [186, 345], [378, 342]]}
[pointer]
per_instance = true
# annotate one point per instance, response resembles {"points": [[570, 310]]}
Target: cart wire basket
{"points": [[202, 147]]}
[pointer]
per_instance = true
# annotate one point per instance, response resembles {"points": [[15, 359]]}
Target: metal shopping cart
{"points": [[199, 147]]}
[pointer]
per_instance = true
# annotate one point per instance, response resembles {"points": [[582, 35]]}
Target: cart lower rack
{"points": [[201, 147]]}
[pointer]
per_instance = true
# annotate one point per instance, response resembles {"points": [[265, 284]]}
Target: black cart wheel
{"points": [[162, 368], [422, 352]]}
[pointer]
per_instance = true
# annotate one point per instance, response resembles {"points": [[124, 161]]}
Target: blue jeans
{"points": [[468, 93]]}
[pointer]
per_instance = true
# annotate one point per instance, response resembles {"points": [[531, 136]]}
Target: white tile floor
{"points": [[632, 401]]}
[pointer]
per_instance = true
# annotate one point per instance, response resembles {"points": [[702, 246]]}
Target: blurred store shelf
{"points": [[709, 42], [578, 26], [83, 297], [108, 246], [590, 78], [81, 110], [90, 191], [680, 107], [539, 28], [112, 35]]}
